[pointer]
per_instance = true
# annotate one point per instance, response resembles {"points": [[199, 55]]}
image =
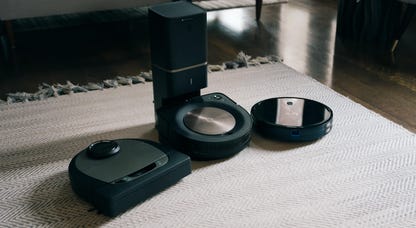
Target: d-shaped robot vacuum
{"points": [[211, 126]]}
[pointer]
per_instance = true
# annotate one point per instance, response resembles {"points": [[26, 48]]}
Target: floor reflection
{"points": [[295, 33], [293, 37], [230, 19]]}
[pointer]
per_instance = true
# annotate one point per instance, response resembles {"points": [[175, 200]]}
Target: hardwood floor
{"points": [[302, 32]]}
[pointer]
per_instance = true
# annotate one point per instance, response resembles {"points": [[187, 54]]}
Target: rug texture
{"points": [[362, 174]]}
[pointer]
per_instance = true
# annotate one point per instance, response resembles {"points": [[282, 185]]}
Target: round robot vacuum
{"points": [[208, 127], [292, 119]]}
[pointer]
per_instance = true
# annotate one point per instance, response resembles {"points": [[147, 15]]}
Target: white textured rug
{"points": [[362, 174]]}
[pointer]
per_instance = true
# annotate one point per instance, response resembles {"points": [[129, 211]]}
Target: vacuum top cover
{"points": [[292, 112], [209, 121], [292, 118], [134, 155]]}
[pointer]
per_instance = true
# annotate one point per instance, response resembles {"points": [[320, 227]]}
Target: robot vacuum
{"points": [[205, 127], [292, 119], [115, 175]]}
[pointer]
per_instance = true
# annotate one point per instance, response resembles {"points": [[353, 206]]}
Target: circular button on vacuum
{"points": [[217, 97], [103, 149]]}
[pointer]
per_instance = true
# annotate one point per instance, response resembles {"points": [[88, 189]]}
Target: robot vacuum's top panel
{"points": [[209, 121], [134, 155], [291, 112]]}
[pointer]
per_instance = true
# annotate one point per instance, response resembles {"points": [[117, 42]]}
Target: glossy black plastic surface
{"points": [[292, 118]]}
